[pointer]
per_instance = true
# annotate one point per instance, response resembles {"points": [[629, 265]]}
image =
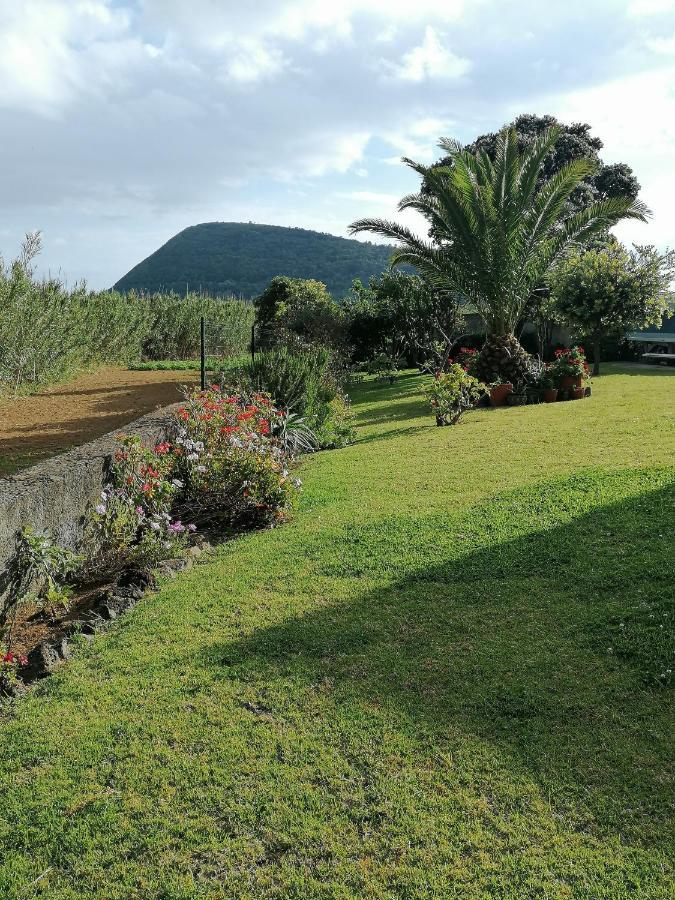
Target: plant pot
{"points": [[550, 395], [499, 393], [578, 393], [570, 381]]}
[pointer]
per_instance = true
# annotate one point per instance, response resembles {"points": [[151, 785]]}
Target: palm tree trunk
{"points": [[502, 359]]}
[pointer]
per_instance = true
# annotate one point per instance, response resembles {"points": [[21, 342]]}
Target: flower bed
{"points": [[226, 468]]}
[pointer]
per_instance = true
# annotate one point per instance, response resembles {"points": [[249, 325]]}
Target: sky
{"points": [[124, 121]]}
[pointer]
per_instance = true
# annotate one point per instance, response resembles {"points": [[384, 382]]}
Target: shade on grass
{"points": [[443, 679]]}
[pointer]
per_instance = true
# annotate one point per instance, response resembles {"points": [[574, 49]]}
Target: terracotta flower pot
{"points": [[578, 393], [550, 395], [499, 393], [570, 381]]}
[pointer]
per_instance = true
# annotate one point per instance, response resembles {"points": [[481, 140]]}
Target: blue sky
{"points": [[124, 122]]}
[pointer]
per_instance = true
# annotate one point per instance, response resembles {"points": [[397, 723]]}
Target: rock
{"points": [[46, 657]]}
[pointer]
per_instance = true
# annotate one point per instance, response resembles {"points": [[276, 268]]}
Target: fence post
{"points": [[202, 351], [253, 343]]}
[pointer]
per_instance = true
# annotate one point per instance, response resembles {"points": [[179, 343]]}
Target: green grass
{"points": [[175, 365], [442, 680]]}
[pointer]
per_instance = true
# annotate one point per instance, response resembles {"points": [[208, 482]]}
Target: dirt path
{"points": [[33, 428]]}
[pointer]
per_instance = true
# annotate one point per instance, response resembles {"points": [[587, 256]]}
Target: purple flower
{"points": [[100, 509], [177, 527], [140, 511], [192, 527]]}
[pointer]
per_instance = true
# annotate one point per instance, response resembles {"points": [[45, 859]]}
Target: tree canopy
{"points": [[574, 142], [611, 291]]}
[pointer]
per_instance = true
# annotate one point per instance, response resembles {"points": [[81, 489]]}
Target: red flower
{"points": [[8, 658]]}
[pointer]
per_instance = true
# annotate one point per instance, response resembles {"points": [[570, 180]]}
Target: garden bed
{"points": [[53, 421]]}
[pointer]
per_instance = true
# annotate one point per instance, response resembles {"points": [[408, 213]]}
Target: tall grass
{"points": [[48, 332]]}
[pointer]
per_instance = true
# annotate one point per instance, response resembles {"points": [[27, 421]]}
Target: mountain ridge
{"points": [[223, 258]]}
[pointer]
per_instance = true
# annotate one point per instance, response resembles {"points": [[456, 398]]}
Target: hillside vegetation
{"points": [[222, 258]]}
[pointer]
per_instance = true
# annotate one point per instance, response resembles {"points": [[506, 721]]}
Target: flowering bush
{"points": [[570, 362], [10, 664], [453, 392], [467, 358], [234, 472], [133, 521]]}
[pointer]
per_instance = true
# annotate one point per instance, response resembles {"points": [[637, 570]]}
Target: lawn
{"points": [[444, 679]]}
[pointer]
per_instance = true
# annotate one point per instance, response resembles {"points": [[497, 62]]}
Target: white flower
{"points": [[192, 457], [155, 526], [104, 496], [177, 483], [100, 509], [200, 468], [297, 482]]}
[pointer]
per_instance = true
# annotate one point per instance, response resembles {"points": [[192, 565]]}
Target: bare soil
{"points": [[60, 418]]}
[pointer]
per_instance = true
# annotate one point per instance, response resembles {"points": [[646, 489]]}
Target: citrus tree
{"points": [[611, 291]]}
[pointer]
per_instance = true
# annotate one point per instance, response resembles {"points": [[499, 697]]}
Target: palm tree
{"points": [[498, 230]]}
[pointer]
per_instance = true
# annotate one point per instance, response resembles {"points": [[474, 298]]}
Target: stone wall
{"points": [[54, 496]]}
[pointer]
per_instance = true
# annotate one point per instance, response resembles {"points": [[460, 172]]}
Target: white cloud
{"points": [[636, 118], [431, 59], [252, 62], [51, 50], [650, 7]]}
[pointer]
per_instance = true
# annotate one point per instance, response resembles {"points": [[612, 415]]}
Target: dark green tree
{"points": [[298, 308], [574, 142], [401, 315]]}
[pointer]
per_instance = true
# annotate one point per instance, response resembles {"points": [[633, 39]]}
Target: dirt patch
{"points": [[60, 418]]}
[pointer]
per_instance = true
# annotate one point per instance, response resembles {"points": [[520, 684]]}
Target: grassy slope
{"points": [[408, 692]]}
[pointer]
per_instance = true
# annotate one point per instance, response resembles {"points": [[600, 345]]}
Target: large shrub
{"points": [[304, 383], [401, 315], [299, 312]]}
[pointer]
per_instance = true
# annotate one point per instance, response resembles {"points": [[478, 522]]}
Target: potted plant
{"points": [[451, 393], [499, 391], [570, 367], [578, 392], [549, 391]]}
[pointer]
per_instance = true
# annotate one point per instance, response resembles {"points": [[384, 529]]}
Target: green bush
{"points": [[302, 382], [298, 312]]}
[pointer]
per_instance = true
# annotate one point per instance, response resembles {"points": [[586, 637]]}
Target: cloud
{"points": [[431, 59], [252, 62], [650, 7]]}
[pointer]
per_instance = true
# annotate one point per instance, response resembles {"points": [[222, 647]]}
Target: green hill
{"points": [[235, 258]]}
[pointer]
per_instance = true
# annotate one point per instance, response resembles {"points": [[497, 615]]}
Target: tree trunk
{"points": [[596, 356], [502, 358]]}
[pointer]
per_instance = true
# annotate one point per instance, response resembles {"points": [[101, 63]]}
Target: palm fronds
{"points": [[496, 231]]}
